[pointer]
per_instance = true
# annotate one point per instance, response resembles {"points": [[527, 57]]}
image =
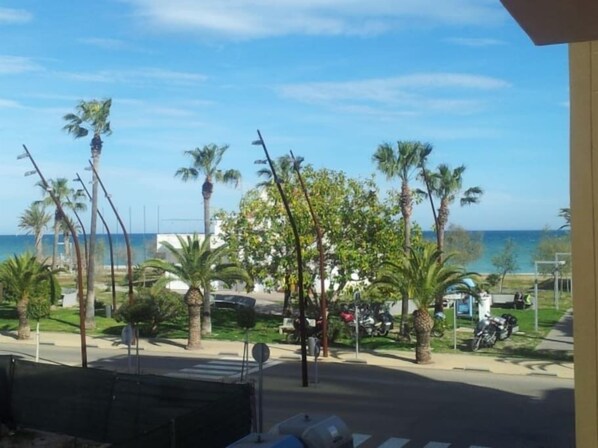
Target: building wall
{"points": [[583, 66]]}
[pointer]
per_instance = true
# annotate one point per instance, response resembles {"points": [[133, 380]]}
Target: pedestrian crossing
{"points": [[226, 368], [397, 442]]}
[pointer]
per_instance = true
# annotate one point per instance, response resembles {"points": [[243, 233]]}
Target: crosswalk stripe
{"points": [[358, 439], [394, 442], [224, 367], [437, 445]]}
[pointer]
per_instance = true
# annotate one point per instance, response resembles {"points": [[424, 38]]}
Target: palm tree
{"points": [[402, 164], [565, 213], [446, 185], [35, 220], [94, 114], [205, 163], [197, 265], [422, 275], [60, 189], [21, 276]]}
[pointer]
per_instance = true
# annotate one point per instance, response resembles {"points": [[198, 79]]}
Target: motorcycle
{"points": [[491, 329], [372, 321]]}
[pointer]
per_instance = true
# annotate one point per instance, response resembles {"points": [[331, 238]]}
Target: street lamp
{"points": [[556, 265], [557, 255], [28, 155], [125, 234], [314, 217], [78, 179], [302, 332]]}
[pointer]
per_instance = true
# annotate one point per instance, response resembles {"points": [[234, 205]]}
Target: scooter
{"points": [[491, 329], [372, 322]]}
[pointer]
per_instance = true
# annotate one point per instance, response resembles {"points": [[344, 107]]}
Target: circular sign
{"points": [[260, 352], [127, 335]]}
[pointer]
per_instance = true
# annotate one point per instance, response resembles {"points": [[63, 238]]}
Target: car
{"points": [[232, 301]]}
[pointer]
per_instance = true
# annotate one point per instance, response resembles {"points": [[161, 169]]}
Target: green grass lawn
{"points": [[224, 327]]}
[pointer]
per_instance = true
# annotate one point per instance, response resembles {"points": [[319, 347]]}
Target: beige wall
{"points": [[583, 65]]}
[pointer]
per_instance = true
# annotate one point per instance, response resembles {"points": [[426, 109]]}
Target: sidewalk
{"points": [[390, 359]]}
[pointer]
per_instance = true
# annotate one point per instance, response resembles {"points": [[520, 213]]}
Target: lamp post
{"points": [[302, 331], [78, 179], [125, 234], [28, 155], [72, 206], [314, 217], [555, 264]]}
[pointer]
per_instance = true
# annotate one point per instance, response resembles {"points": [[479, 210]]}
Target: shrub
{"points": [[151, 309]]}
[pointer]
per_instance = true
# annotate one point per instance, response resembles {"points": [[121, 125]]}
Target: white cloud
{"points": [[474, 41], [241, 19], [105, 43], [137, 76], [10, 65], [14, 16], [9, 104], [387, 90]]}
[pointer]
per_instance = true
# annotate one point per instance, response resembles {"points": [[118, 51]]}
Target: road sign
{"points": [[260, 352]]}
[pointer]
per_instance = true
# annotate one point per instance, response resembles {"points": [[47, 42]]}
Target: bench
{"points": [[288, 327]]}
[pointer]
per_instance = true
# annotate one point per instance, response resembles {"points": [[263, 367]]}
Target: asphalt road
{"points": [[410, 408]]}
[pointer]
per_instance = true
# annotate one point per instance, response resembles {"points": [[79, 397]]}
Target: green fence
{"points": [[123, 409]]}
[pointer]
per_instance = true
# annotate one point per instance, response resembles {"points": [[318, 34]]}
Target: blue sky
{"points": [[328, 79]]}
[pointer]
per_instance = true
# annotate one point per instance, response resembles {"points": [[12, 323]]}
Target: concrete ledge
{"points": [[542, 374], [473, 369]]}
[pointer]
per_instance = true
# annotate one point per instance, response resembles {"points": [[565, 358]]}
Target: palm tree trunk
{"points": [[194, 342], [406, 206], [206, 328], [24, 331], [423, 354], [90, 300], [39, 252]]}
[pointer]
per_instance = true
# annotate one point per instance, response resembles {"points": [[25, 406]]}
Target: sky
{"points": [[328, 79]]}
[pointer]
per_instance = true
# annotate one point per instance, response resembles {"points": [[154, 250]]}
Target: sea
{"points": [[143, 246]]}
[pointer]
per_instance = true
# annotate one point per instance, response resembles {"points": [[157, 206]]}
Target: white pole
{"points": [[536, 296], [455, 325], [37, 342]]}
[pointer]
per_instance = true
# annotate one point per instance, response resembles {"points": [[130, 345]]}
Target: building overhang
{"points": [[556, 21]]}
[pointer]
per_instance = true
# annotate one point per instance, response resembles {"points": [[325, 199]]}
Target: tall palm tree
{"points": [[446, 184], [59, 188], [197, 265], [21, 275], [403, 165], [565, 213], [205, 162], [91, 116], [422, 275], [35, 220]]}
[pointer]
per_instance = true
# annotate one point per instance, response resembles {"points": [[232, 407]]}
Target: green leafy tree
{"points": [[403, 165], [22, 276], [446, 184], [91, 117], [358, 231], [550, 244], [423, 275], [197, 265], [505, 261], [34, 221], [205, 164], [465, 246]]}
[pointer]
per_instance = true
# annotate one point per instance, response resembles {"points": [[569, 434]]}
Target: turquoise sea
{"points": [[144, 245]]}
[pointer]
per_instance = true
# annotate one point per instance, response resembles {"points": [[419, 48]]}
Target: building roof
{"points": [[556, 21]]}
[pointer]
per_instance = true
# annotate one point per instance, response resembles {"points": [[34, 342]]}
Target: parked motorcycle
{"points": [[491, 329], [373, 321]]}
